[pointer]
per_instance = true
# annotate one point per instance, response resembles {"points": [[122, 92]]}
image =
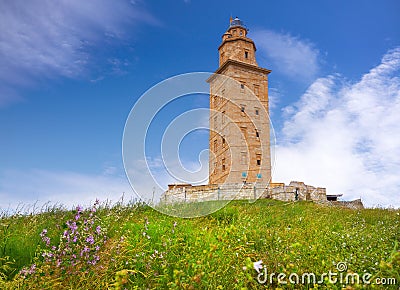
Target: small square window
{"points": [[246, 54], [258, 162], [242, 109], [242, 86], [257, 112]]}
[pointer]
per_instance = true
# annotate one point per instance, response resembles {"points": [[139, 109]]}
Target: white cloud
{"points": [[26, 188], [292, 56], [346, 136], [43, 39]]}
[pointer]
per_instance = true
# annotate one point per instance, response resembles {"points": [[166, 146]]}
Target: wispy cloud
{"points": [[43, 39], [39, 187], [292, 56], [346, 135]]}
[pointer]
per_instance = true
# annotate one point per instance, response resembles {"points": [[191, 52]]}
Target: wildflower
{"points": [[32, 269], [79, 209], [47, 255], [258, 266], [24, 272], [98, 230], [46, 240], [90, 240], [43, 233]]}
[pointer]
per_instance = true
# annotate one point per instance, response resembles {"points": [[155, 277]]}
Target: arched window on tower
{"points": [[258, 159]]}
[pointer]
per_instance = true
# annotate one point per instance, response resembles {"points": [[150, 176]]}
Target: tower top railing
{"points": [[237, 22]]}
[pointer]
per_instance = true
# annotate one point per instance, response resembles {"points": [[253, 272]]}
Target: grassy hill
{"points": [[136, 247]]}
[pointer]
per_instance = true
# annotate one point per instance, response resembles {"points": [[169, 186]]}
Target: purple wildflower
{"points": [[73, 227], [32, 269], [46, 240], [90, 239], [79, 209]]}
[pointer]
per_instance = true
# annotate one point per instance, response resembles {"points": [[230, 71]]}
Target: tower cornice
{"points": [[233, 39], [240, 64]]}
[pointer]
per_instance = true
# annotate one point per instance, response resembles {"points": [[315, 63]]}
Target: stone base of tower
{"points": [[294, 191]]}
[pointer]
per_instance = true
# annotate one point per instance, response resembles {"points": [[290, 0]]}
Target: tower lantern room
{"points": [[236, 45]]}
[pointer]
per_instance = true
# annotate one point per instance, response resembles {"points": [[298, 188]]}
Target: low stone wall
{"points": [[199, 193], [294, 191], [353, 204], [178, 193], [298, 191]]}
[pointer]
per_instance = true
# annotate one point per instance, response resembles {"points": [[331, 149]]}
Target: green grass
{"points": [[146, 249]]}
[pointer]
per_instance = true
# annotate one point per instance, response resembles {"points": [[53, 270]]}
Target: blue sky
{"points": [[70, 72]]}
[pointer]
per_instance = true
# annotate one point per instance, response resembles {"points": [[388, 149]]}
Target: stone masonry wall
{"points": [[189, 193]]}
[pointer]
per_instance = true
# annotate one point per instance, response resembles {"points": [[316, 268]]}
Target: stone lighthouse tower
{"points": [[239, 141], [239, 138]]}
